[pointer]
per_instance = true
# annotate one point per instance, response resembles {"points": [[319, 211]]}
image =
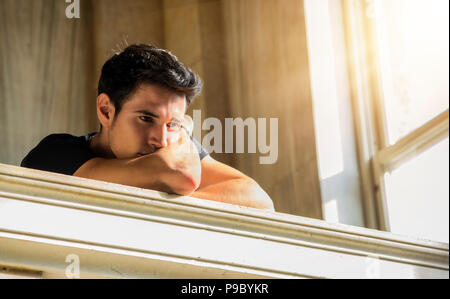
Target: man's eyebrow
{"points": [[147, 113]]}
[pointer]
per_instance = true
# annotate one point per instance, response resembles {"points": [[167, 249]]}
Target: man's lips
{"points": [[147, 152]]}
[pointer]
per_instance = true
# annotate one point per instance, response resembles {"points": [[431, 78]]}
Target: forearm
{"points": [[149, 172], [240, 191], [128, 172]]}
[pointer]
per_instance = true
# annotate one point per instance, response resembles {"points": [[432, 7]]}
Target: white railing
{"points": [[51, 223]]}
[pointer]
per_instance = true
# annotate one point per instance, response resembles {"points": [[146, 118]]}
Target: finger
{"points": [[184, 136]]}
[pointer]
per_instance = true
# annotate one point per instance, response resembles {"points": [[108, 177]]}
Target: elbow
{"points": [[187, 182], [263, 200], [187, 185], [266, 203]]}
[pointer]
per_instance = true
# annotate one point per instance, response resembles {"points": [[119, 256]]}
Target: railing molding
{"points": [[121, 231]]}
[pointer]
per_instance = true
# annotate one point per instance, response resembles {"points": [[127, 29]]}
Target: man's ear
{"points": [[105, 110]]}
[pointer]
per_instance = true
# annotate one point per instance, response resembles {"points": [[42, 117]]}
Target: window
{"points": [[413, 45], [419, 189], [333, 121], [398, 55]]}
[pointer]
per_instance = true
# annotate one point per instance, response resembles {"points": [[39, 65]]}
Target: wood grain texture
{"points": [[194, 31], [117, 23], [268, 75], [182, 37], [45, 74], [252, 56]]}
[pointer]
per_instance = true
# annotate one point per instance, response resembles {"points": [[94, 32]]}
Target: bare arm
{"points": [[223, 183], [174, 169]]}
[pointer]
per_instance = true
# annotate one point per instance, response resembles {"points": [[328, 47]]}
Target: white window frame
{"points": [[375, 155]]}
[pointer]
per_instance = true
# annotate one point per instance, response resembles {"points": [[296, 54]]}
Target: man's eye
{"points": [[146, 119], [173, 126]]}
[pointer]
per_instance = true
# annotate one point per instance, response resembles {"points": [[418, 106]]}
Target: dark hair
{"points": [[124, 72]]}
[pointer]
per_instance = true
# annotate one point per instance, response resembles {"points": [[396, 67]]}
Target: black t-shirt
{"points": [[65, 153]]}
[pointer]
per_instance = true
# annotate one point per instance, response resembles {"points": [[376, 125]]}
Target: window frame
{"points": [[376, 157]]}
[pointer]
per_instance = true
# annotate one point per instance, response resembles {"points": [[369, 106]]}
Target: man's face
{"points": [[149, 120]]}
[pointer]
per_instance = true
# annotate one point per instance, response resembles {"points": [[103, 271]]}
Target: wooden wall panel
{"points": [[45, 74], [194, 32], [182, 38], [117, 23], [252, 56], [268, 75]]}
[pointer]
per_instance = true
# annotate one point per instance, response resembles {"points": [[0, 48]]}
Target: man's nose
{"points": [[159, 137]]}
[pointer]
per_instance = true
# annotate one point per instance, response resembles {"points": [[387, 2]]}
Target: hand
{"points": [[181, 153], [183, 165]]}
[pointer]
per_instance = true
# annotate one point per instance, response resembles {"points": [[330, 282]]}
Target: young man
{"points": [[143, 94]]}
